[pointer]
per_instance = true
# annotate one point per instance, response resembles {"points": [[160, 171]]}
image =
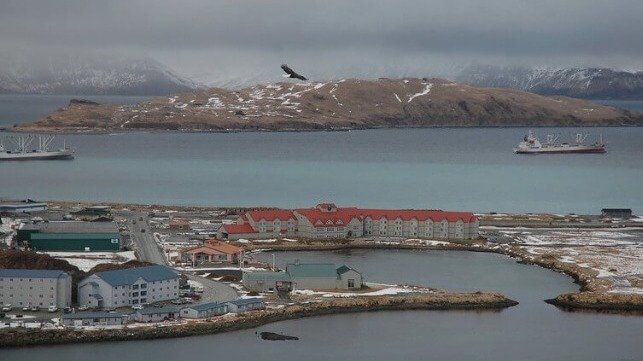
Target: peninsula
{"points": [[332, 105]]}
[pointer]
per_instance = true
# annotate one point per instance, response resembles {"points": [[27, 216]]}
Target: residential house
{"points": [[212, 251], [205, 310], [244, 305], [156, 314], [93, 319]]}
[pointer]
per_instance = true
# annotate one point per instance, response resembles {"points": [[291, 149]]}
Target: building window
{"points": [[144, 285], [135, 287], [351, 283]]}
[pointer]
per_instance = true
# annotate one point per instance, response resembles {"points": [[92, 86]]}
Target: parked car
{"points": [[67, 310], [52, 308], [2, 315], [7, 307], [178, 301], [137, 307], [35, 308], [26, 308], [83, 308]]}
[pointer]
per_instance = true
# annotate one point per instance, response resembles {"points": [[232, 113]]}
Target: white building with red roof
{"points": [[326, 220]]}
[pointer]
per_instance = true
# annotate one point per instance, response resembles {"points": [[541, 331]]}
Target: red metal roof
{"points": [[343, 216], [419, 215], [271, 215], [238, 228]]}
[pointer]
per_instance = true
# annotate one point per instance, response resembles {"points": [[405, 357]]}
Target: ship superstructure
{"points": [[23, 149], [532, 145]]}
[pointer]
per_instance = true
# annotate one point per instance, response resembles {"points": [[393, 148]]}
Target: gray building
{"points": [[267, 281], [93, 319], [311, 276], [205, 310], [245, 305], [29, 287], [129, 287], [22, 206], [156, 314]]}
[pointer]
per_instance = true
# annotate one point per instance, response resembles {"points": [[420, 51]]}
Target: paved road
{"points": [[214, 291], [143, 242]]}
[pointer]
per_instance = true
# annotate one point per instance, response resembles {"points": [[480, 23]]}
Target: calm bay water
{"points": [[532, 330], [458, 169]]}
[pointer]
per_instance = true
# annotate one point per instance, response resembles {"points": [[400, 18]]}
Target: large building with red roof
{"points": [[326, 220]]}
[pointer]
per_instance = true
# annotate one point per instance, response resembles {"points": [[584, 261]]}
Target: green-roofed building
{"points": [[309, 276], [70, 236], [75, 241]]}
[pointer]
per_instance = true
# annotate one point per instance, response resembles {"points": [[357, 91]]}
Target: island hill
{"points": [[341, 104]]}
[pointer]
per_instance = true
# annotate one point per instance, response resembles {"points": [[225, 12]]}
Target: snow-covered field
{"points": [[88, 260], [615, 256]]}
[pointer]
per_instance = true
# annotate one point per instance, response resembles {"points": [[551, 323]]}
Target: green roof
{"points": [[311, 270], [263, 276], [82, 236]]}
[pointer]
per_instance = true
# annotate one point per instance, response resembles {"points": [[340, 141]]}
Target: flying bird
{"points": [[291, 73]]}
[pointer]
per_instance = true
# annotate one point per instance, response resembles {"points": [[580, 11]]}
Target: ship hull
{"points": [[595, 150], [36, 156]]}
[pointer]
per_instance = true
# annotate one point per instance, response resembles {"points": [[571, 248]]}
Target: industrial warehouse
{"points": [[310, 276], [70, 236], [326, 220]]}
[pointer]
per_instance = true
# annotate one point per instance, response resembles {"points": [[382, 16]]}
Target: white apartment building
{"points": [[129, 287], [30, 287]]}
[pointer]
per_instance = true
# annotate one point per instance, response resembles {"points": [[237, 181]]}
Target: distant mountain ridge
{"points": [[93, 76], [587, 83], [337, 104]]}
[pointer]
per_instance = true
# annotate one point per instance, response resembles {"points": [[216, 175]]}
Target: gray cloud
{"points": [[222, 40]]}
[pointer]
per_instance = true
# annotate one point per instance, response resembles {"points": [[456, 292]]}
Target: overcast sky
{"points": [[221, 40]]}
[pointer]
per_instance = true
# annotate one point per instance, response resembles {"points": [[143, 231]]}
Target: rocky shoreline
{"points": [[20, 337], [590, 296]]}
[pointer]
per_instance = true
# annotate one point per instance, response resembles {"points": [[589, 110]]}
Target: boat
{"points": [[22, 150], [532, 145]]}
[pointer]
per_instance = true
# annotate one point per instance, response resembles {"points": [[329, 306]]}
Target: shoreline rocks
{"points": [[439, 301]]}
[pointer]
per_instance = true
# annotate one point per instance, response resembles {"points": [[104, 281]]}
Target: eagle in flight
{"points": [[291, 73]]}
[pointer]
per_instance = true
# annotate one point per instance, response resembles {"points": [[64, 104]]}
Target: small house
{"points": [[616, 212], [93, 319], [204, 311], [178, 225], [156, 314], [244, 305]]}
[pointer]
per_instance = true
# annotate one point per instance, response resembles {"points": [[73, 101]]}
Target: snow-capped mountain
{"points": [[589, 83], [91, 75]]}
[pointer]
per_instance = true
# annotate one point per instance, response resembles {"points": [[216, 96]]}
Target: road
{"points": [[143, 242], [214, 291]]}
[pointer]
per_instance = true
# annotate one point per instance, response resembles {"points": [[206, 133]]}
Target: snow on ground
{"points": [[85, 261], [613, 255], [5, 229], [427, 89], [388, 291]]}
